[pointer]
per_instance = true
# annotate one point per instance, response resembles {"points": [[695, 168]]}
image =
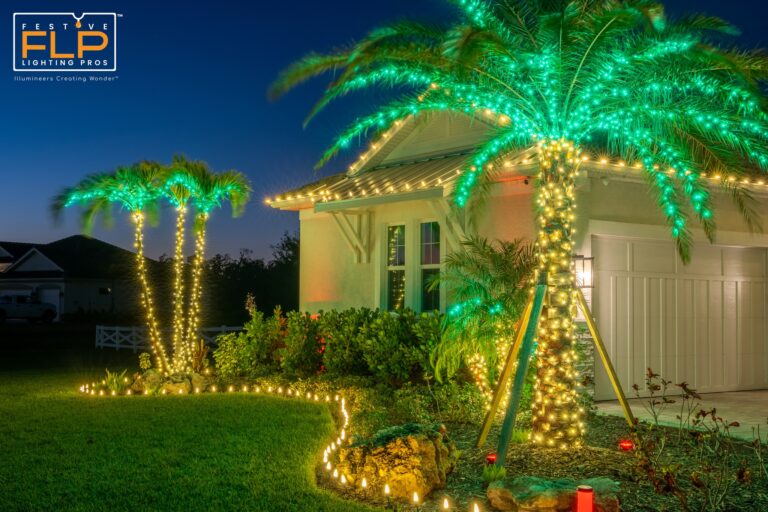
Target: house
{"points": [[371, 236], [77, 274]]}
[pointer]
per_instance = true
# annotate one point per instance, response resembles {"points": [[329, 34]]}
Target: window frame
{"points": [[395, 268], [429, 266]]}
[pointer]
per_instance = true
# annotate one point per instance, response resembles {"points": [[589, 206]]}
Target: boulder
{"points": [[410, 458], [532, 494], [177, 386], [150, 379], [199, 381]]}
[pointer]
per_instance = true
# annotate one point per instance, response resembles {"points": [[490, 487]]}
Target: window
{"points": [[430, 265], [395, 267]]}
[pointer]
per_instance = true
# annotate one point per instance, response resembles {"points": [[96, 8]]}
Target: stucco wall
{"points": [[330, 277]]}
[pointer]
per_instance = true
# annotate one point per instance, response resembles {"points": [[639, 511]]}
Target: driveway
{"points": [[749, 408]]}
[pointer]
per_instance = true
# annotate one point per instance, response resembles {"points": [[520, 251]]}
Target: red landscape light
{"points": [[490, 458], [626, 445], [585, 499]]}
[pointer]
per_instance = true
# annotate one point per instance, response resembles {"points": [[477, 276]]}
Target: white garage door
{"points": [[704, 323]]}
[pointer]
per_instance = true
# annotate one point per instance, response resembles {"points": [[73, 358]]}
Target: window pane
{"points": [[430, 299], [396, 246], [430, 243], [395, 289]]}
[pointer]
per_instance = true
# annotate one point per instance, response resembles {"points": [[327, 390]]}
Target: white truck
{"points": [[26, 308]]}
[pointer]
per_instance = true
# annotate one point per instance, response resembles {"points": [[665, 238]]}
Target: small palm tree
{"points": [[570, 78], [209, 191], [137, 190], [487, 282]]}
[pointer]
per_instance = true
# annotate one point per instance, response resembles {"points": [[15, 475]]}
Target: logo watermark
{"points": [[65, 42]]}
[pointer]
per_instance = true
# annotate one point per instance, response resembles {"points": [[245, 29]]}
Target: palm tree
{"points": [[135, 189], [488, 286], [178, 189], [209, 191], [570, 78]]}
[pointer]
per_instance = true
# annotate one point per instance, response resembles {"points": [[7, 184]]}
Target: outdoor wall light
{"points": [[583, 268]]}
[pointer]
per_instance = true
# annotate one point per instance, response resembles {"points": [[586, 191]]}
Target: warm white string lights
{"points": [[342, 434]]}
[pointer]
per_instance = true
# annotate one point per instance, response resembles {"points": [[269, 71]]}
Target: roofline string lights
{"points": [[596, 163], [341, 437]]}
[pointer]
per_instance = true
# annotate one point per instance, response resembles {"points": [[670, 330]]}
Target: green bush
{"points": [[392, 348], [301, 355], [254, 350], [397, 346], [343, 334]]}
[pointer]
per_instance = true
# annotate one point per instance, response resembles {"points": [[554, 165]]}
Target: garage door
{"points": [[704, 323], [51, 296]]}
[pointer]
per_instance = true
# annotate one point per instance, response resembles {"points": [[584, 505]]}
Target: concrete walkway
{"points": [[749, 408]]}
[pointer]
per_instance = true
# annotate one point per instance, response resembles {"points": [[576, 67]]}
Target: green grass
{"points": [[61, 451]]}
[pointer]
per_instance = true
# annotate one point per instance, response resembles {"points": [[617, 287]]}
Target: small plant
{"points": [[145, 361], [492, 473], [116, 382], [199, 356], [700, 433]]}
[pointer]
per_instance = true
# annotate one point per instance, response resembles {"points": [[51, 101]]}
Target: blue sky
{"points": [[192, 79]]}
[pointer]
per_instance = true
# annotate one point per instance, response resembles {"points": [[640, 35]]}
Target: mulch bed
{"points": [[601, 458]]}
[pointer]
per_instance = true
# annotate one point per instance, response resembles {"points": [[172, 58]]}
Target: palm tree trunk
{"points": [[158, 349], [193, 318], [181, 356], [557, 416]]}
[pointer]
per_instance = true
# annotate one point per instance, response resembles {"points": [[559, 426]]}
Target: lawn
{"points": [[63, 451]]}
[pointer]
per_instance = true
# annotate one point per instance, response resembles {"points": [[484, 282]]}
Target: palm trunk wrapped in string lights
{"points": [[196, 289], [181, 352], [557, 416], [155, 338]]}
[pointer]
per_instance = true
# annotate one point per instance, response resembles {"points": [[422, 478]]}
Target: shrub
{"points": [[255, 349], [391, 348], [301, 354], [343, 334]]}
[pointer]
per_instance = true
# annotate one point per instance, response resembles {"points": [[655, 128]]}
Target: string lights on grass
{"points": [[341, 437]]}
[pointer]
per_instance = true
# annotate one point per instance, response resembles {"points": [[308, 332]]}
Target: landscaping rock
{"points": [[180, 386], [532, 494], [151, 380], [411, 458], [198, 381]]}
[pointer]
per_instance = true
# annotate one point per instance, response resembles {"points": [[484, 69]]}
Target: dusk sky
{"points": [[193, 80]]}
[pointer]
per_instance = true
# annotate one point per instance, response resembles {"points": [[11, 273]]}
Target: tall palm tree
{"points": [[209, 191], [135, 189], [487, 282], [570, 77], [178, 188]]}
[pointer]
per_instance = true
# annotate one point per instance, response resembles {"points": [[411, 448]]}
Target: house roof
{"points": [[11, 251], [76, 256], [426, 174]]}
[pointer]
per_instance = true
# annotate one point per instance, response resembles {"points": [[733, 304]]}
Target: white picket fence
{"points": [[135, 338]]}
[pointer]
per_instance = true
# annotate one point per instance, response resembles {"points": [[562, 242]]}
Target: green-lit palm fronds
{"points": [[488, 284], [207, 191], [609, 75], [135, 189]]}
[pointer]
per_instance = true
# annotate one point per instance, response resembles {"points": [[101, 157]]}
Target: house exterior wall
{"points": [[704, 323]]}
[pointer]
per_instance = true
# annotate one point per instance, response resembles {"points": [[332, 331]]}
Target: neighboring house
{"points": [[77, 274], [373, 235]]}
